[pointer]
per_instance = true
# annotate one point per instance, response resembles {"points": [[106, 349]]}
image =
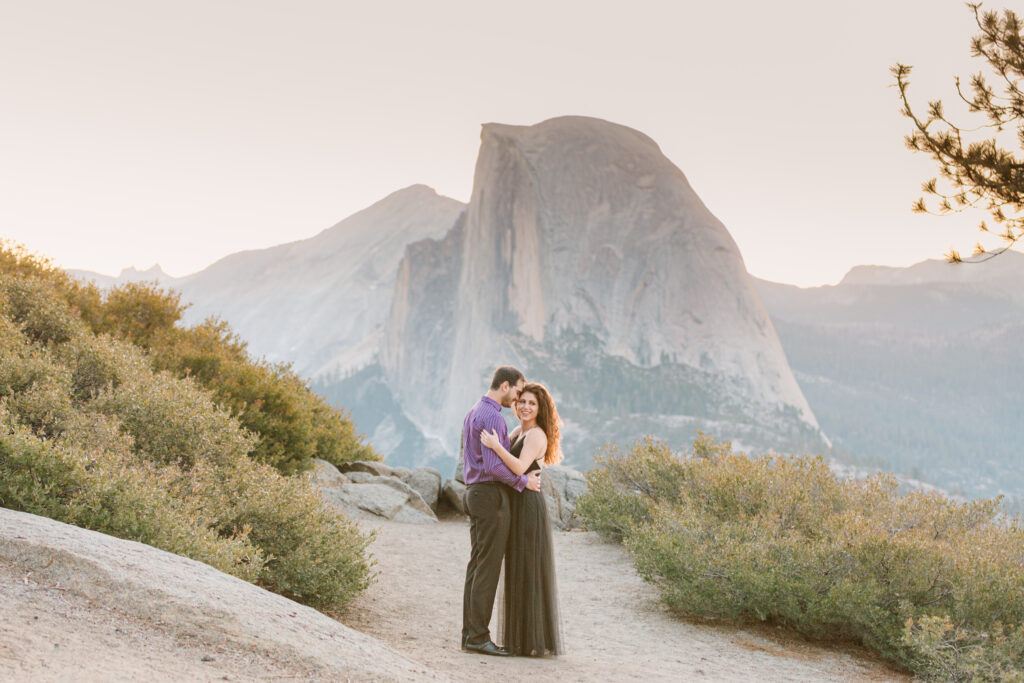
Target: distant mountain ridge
{"points": [[319, 302], [152, 274], [915, 369], [1007, 267]]}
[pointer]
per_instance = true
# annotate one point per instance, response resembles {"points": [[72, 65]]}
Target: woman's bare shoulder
{"points": [[536, 434]]}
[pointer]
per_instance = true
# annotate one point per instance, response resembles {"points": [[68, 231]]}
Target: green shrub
{"points": [[18, 263], [953, 654], [314, 554], [31, 385], [171, 420], [140, 313], [294, 425], [105, 491], [781, 539], [624, 487], [36, 307], [95, 363], [92, 435]]}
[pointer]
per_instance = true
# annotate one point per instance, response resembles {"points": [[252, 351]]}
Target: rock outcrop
{"points": [[561, 487], [426, 481], [377, 489], [139, 595], [454, 492]]}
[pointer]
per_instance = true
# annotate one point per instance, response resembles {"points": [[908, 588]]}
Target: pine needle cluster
{"points": [[976, 169]]}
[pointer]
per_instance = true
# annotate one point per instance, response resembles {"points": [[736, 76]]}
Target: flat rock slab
{"points": [[80, 605], [383, 496], [363, 491]]}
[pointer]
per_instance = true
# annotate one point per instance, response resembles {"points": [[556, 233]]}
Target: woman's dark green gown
{"points": [[528, 621]]}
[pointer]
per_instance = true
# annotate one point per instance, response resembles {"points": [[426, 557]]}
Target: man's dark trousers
{"points": [[489, 516]]}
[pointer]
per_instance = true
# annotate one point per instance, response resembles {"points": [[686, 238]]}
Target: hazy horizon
{"points": [[139, 134], [156, 264]]}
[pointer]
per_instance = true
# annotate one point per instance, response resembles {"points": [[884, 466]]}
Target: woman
{"points": [[528, 618]]}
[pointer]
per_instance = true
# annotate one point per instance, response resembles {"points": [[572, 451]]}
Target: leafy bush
{"points": [[624, 487], [140, 313], [294, 425], [170, 420], [92, 435], [18, 265], [954, 654], [325, 569], [108, 492], [926, 582]]}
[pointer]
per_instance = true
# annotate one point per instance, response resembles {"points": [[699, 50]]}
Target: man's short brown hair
{"points": [[506, 373]]}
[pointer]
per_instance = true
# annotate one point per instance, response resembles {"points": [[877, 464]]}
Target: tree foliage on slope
{"points": [[93, 435], [294, 424], [978, 173]]}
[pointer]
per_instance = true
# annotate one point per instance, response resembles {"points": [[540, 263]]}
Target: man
{"points": [[489, 483]]}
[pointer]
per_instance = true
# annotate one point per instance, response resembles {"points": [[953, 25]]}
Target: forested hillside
{"points": [[914, 370]]}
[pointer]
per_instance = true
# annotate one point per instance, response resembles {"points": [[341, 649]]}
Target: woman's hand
{"points": [[490, 439]]}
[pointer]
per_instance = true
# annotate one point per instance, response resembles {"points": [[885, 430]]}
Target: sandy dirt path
{"points": [[615, 629]]}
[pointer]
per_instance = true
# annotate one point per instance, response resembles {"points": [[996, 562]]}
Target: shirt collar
{"points": [[488, 399]]}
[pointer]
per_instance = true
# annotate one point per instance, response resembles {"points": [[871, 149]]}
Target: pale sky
{"points": [[134, 132]]}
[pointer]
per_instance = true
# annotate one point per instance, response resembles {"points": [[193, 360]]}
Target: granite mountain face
{"points": [[584, 257]]}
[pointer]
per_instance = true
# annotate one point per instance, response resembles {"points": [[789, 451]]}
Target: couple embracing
{"points": [[508, 519]]}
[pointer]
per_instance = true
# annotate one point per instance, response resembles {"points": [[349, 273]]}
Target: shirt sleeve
{"points": [[493, 465]]}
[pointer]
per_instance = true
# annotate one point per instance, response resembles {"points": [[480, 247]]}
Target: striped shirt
{"points": [[479, 463]]}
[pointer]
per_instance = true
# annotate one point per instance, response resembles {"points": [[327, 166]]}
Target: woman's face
{"points": [[526, 407]]}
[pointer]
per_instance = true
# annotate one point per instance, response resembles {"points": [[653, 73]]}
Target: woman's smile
{"points": [[527, 406]]}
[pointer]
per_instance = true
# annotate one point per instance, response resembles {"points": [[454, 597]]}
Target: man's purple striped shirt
{"points": [[479, 463]]}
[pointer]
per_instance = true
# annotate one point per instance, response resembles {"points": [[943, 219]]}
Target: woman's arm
{"points": [[533, 448]]}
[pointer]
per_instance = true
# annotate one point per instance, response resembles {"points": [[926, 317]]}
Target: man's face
{"points": [[510, 396]]}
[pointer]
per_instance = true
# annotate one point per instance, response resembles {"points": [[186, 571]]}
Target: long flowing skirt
{"points": [[528, 622]]}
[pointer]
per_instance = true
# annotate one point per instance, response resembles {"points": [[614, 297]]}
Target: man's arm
{"points": [[492, 464], [534, 447]]}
